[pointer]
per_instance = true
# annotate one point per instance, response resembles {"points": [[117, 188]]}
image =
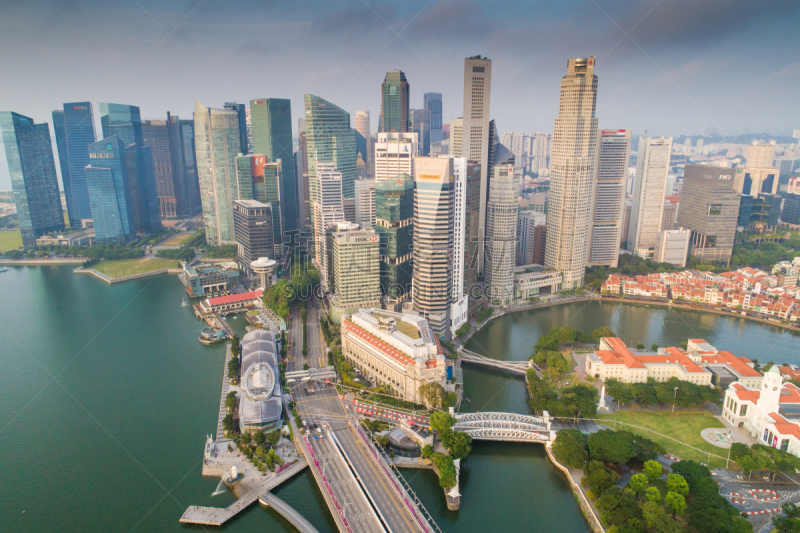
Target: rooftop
{"points": [[233, 298]]}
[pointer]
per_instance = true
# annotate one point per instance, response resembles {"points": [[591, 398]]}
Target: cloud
{"points": [[354, 22], [257, 48]]}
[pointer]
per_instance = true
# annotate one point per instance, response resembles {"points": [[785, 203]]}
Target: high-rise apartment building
{"points": [[327, 210], [432, 250], [272, 137], [501, 229], [475, 130], [394, 154], [421, 125], [217, 144], [125, 122], [363, 137], [253, 228], [432, 103], [32, 170], [394, 222], [356, 272], [108, 182], [395, 103], [164, 139], [608, 197], [241, 111], [709, 208], [761, 155], [572, 171], [74, 129], [649, 190], [365, 203], [527, 222], [456, 137], [259, 179]]}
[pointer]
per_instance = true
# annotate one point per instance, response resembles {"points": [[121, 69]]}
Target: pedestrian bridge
{"points": [[513, 367], [288, 512], [509, 427]]}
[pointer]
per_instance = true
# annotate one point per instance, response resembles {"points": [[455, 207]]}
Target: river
{"points": [[108, 397]]}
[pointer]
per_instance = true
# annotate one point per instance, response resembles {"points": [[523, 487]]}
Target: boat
{"points": [[468, 400], [3, 270]]}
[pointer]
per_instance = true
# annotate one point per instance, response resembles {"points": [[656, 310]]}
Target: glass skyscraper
{"points": [[395, 103], [258, 179], [241, 110], [394, 216], [271, 123], [164, 139], [74, 128], [32, 169], [108, 183], [186, 133], [125, 122], [432, 102], [421, 125]]}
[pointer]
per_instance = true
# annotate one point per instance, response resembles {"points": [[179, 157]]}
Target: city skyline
{"points": [[676, 55]]}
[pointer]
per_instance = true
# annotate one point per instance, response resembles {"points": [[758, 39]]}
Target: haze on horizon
{"points": [[670, 67]]}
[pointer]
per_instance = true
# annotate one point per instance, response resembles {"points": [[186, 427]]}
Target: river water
{"points": [[108, 397]]}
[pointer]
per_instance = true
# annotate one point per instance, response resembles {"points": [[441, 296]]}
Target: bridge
{"points": [[509, 427], [513, 367], [288, 512]]}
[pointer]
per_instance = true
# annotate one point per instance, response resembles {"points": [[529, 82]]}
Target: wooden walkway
{"points": [[226, 387], [213, 516]]}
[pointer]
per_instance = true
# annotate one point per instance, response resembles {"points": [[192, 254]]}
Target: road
{"points": [[317, 356], [294, 354]]}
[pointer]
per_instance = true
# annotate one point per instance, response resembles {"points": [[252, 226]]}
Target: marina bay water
{"points": [[108, 397]]}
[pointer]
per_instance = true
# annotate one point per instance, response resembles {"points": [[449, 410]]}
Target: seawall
{"points": [[111, 281], [588, 510]]}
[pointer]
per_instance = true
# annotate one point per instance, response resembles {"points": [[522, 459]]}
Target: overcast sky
{"points": [[668, 66]]}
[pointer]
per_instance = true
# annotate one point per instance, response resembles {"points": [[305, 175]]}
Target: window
{"points": [[714, 209], [743, 411]]}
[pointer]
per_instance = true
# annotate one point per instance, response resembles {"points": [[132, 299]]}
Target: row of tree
{"points": [[760, 457], [575, 449], [570, 402], [653, 392]]}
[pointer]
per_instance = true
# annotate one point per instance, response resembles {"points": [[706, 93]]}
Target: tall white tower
{"points": [[770, 391], [649, 189]]}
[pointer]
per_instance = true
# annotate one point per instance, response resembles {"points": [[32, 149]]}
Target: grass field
{"points": [[125, 267], [177, 240], [684, 426], [10, 240]]}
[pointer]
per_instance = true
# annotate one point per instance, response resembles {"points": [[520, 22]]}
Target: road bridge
{"points": [[288, 512], [509, 427], [513, 367]]}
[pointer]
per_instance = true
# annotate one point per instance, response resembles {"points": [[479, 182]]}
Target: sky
{"points": [[671, 67]]}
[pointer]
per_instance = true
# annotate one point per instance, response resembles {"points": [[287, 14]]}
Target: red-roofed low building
{"points": [[231, 302]]}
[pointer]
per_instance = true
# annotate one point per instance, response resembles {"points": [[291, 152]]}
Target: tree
{"points": [[260, 437], [441, 421], [433, 394], [790, 522], [604, 331], [654, 347], [458, 443], [676, 483], [675, 502], [247, 438], [619, 508], [640, 346], [652, 494], [427, 451], [638, 483], [274, 437], [652, 469], [567, 334], [558, 362], [227, 423], [607, 445], [657, 520], [570, 448], [598, 477]]}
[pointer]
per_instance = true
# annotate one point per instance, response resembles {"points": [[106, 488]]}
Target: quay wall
{"points": [[577, 490]]}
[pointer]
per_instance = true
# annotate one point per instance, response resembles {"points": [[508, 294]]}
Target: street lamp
{"points": [[674, 399], [730, 447]]}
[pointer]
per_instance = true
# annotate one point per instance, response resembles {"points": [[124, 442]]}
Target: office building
{"points": [[329, 139], [755, 181], [186, 135], [109, 184], [766, 210], [301, 162], [364, 203], [394, 155], [125, 122], [672, 246], [327, 210], [241, 112], [207, 280], [501, 229], [272, 137], [74, 129], [356, 272], [533, 281], [709, 208], [541, 145], [164, 139], [217, 144], [791, 209], [475, 130], [248, 119], [258, 179], [396, 349], [760, 155], [670, 212], [394, 222], [608, 197], [456, 137], [649, 191], [527, 222], [363, 137], [421, 125], [32, 169], [572, 173], [432, 250], [465, 298], [395, 103], [432, 103], [253, 230]]}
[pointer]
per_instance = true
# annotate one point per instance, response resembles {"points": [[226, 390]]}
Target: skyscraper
{"points": [[327, 210], [527, 222], [394, 154], [432, 103], [74, 133], [186, 135], [365, 202], [272, 137], [456, 136], [394, 222], [572, 172], [258, 179], [329, 139], [216, 134], [475, 129], [466, 195], [501, 228], [164, 139], [649, 189], [356, 272], [32, 169], [421, 125], [363, 138], [608, 197], [761, 155], [241, 111], [125, 122], [253, 228], [108, 182], [301, 164], [395, 103], [433, 245]]}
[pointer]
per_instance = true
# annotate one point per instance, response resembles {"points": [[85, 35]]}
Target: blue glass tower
{"points": [[29, 153], [108, 183], [74, 128], [432, 102], [125, 122], [241, 110]]}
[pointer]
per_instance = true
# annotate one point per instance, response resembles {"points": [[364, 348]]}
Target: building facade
{"points": [[253, 229], [465, 298], [260, 180], [364, 138], [501, 233], [356, 272], [421, 125], [394, 222], [527, 222], [672, 246], [394, 154], [395, 103], [365, 202], [108, 182], [572, 172], [432, 103], [327, 210], [649, 190], [163, 138], [74, 129]]}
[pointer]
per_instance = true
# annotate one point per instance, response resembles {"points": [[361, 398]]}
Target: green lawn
{"points": [[124, 267], [684, 426], [178, 239], [10, 240]]}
